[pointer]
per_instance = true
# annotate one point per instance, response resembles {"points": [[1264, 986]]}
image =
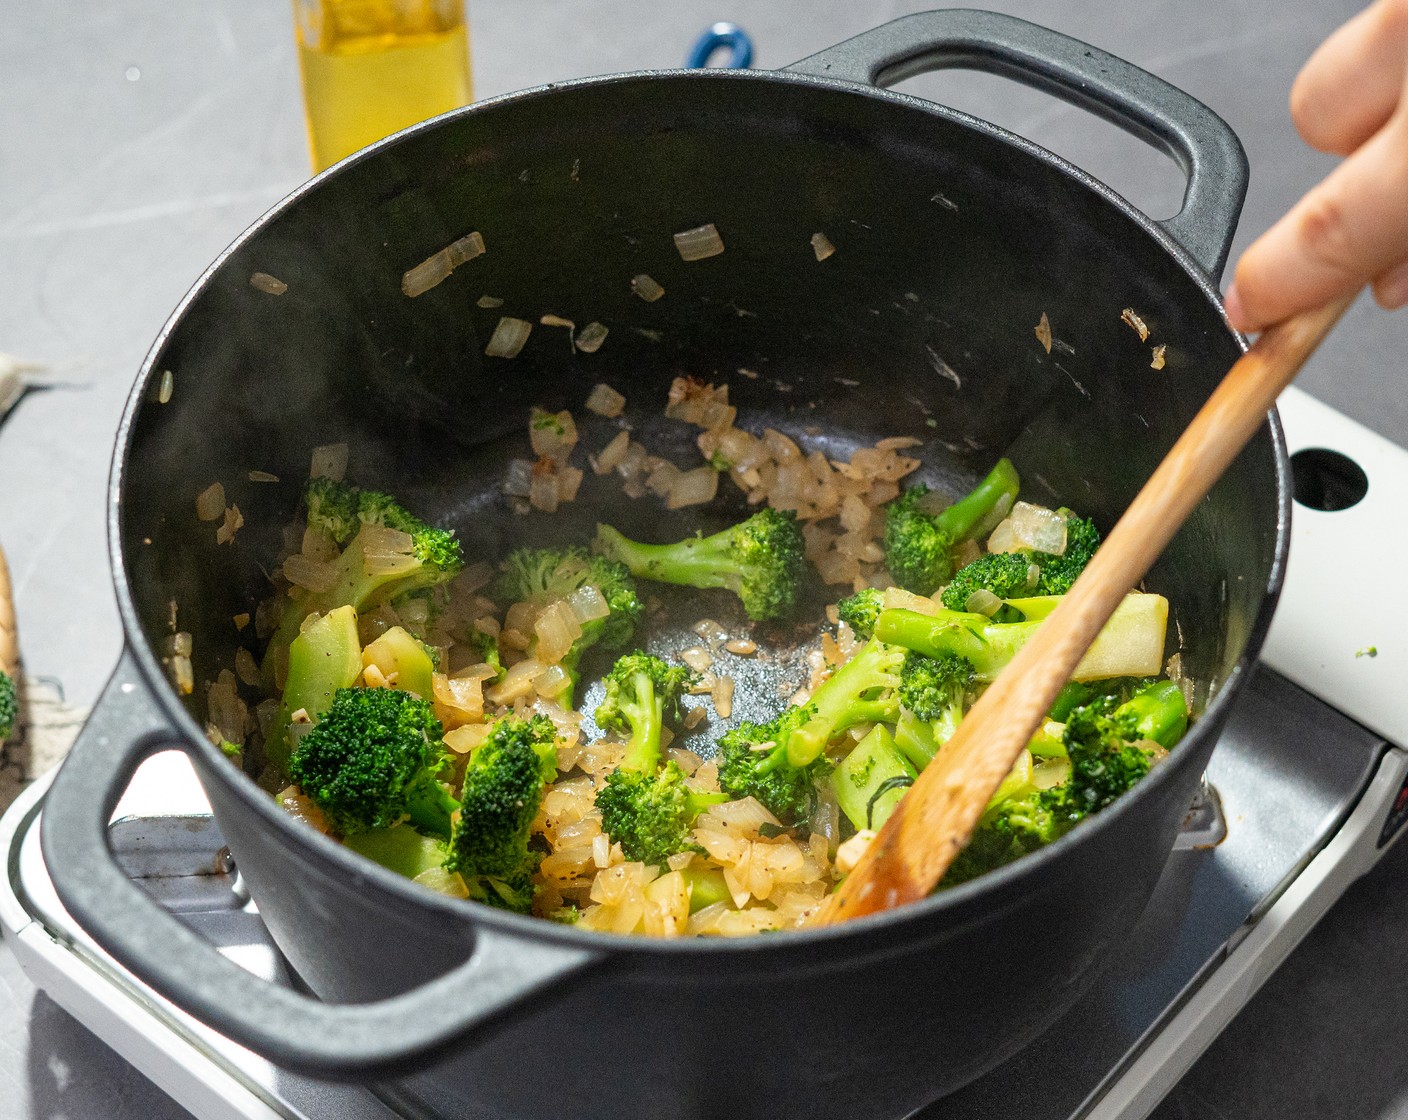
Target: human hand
{"points": [[1351, 229]]}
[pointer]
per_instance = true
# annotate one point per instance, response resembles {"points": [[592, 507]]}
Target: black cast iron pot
{"points": [[953, 238]]}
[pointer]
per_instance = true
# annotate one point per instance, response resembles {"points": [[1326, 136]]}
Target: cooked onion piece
{"points": [[590, 338], [438, 266], [646, 287], [605, 401], [821, 246], [269, 285], [509, 337], [698, 243], [1043, 332]]}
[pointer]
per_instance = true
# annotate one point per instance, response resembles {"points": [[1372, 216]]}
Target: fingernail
{"points": [[1232, 302], [1391, 289]]}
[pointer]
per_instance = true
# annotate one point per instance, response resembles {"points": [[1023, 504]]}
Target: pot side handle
{"points": [[298, 1032], [1158, 113]]}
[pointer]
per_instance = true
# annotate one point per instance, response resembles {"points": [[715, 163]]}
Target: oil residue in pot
{"points": [[372, 67]]}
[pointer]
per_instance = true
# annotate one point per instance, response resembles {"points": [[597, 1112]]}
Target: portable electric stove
{"points": [[1306, 790]]}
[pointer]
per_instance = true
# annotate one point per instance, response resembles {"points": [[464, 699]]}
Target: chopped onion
{"points": [[542, 489], [897, 598], [849, 853], [557, 321], [518, 479], [1038, 528], [693, 488], [509, 337], [821, 246], [646, 287], [557, 628], [1043, 333], [710, 630], [262, 476], [698, 243], [697, 658], [1158, 359], [662, 478], [553, 681], [234, 520], [489, 302], [300, 571], [166, 387], [380, 538], [552, 434], [613, 453], [517, 682], [723, 697], [466, 737], [210, 502], [329, 461], [269, 285], [246, 667], [741, 647], [1130, 316], [605, 401], [983, 601], [569, 480], [590, 337], [587, 604], [435, 268]]}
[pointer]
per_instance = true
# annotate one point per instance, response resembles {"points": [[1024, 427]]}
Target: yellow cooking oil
{"points": [[371, 67]]}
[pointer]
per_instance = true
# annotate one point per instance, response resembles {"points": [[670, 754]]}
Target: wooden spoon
{"points": [[932, 824]]}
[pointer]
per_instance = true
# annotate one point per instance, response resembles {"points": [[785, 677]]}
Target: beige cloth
{"points": [[43, 734]]}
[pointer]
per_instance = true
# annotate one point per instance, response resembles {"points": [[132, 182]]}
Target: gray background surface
{"points": [[137, 138]]}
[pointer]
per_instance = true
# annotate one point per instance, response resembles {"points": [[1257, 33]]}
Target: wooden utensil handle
{"points": [[937, 816]]}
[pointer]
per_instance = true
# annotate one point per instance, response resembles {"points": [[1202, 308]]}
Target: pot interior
{"points": [[951, 244]]}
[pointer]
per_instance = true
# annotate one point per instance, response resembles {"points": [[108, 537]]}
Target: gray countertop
{"points": [[137, 138]]}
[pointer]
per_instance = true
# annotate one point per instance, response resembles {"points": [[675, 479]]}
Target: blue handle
{"points": [[728, 35]]}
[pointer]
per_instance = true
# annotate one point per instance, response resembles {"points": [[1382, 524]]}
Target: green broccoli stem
{"points": [[694, 562], [988, 645], [1130, 645], [647, 719], [967, 515], [322, 659], [1160, 712], [840, 702]]}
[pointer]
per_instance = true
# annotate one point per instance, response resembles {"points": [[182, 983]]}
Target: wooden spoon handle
{"points": [[938, 814]]}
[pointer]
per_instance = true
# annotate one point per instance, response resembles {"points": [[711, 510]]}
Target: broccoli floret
{"points": [[935, 690], [332, 509], [546, 575], [919, 545], [650, 814], [503, 790], [9, 705], [647, 808], [931, 687], [1008, 575], [860, 611], [641, 691], [863, 690], [434, 556], [373, 759], [759, 560], [1059, 572], [753, 763], [1103, 740]]}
